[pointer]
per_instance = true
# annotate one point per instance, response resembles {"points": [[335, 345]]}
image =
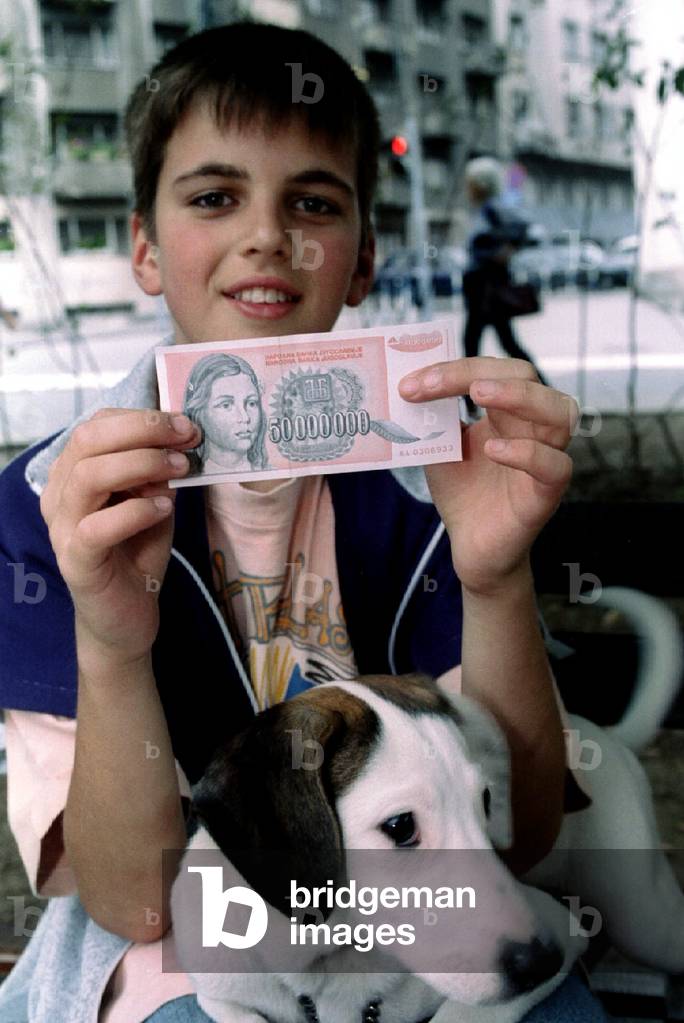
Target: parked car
{"points": [[617, 269], [558, 261], [398, 275]]}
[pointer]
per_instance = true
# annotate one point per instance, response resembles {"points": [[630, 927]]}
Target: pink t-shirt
{"points": [[275, 581]]}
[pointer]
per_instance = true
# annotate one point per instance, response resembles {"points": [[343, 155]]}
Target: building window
{"points": [[599, 116], [520, 106], [431, 14], [84, 136], [573, 118], [6, 236], [627, 121], [71, 39], [599, 47], [88, 233], [375, 10], [481, 96], [571, 41], [517, 35], [382, 68], [474, 29], [167, 36]]}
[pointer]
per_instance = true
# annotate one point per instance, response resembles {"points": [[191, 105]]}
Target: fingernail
{"points": [[497, 446], [410, 385], [181, 424], [177, 459], [163, 503], [432, 379], [486, 388]]}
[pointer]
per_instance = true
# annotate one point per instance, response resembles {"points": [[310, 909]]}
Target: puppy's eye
{"points": [[402, 829], [486, 801]]}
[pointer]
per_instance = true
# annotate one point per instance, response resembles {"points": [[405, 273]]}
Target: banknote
{"points": [[307, 404]]}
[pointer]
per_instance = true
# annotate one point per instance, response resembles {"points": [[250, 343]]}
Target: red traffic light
{"points": [[399, 145]]}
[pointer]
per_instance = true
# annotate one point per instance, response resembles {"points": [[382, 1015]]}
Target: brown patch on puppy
{"points": [[268, 795], [415, 693]]}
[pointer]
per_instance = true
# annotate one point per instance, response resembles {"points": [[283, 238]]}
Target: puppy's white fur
{"points": [[424, 763]]}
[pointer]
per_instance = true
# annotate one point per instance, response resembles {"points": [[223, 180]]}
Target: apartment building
{"points": [[68, 66], [571, 148]]}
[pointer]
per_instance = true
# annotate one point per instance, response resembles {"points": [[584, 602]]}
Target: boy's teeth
{"points": [[262, 295]]}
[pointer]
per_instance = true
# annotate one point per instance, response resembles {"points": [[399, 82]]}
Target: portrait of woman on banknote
{"points": [[223, 397]]}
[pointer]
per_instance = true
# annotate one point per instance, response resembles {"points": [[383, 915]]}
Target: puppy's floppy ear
{"points": [[267, 797], [489, 749]]}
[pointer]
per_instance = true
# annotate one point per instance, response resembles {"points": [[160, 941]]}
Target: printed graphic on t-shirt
{"points": [[297, 634]]}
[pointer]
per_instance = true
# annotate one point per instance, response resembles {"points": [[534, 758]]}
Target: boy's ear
{"points": [[144, 256], [362, 278]]}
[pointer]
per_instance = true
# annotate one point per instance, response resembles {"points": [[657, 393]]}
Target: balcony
{"points": [[377, 35], [603, 152], [484, 58], [175, 11], [95, 171], [78, 88]]}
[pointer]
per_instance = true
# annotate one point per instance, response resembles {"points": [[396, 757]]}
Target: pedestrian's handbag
{"points": [[502, 300]]}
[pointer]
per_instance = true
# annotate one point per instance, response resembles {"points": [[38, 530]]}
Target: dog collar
{"points": [[371, 1014]]}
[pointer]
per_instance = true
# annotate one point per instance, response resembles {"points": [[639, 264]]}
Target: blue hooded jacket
{"points": [[400, 595]]}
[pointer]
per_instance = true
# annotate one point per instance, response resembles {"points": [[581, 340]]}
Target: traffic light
{"points": [[399, 145]]}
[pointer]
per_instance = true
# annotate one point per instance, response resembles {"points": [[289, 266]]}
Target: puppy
{"points": [[397, 765]]}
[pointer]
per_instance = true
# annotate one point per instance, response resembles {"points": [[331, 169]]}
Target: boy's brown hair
{"points": [[252, 73]]}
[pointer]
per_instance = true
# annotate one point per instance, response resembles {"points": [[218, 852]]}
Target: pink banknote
{"points": [[305, 404]]}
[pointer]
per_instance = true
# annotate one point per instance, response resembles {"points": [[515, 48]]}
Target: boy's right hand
{"points": [[111, 541]]}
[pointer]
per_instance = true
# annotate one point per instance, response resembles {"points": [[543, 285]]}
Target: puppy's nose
{"points": [[528, 964]]}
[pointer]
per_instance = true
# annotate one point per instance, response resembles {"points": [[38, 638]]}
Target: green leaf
{"points": [[679, 80]]}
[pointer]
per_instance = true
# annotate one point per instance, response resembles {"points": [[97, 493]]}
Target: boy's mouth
{"points": [[263, 301]]}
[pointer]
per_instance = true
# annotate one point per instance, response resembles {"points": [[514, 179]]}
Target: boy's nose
{"points": [[265, 232]]}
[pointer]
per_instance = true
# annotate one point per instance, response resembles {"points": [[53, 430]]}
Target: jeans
{"points": [[572, 1002]]}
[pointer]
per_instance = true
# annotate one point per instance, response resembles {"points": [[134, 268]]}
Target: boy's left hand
{"points": [[495, 502]]}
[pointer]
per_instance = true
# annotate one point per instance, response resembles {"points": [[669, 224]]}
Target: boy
{"points": [[233, 171]]}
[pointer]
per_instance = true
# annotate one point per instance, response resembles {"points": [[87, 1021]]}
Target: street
{"points": [[37, 379]]}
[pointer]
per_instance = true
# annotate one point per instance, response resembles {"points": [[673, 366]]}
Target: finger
{"points": [[93, 480], [545, 464], [447, 379], [98, 533], [530, 401], [110, 430], [159, 489]]}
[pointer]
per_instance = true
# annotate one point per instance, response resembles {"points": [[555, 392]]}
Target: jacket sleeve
{"points": [[37, 642]]}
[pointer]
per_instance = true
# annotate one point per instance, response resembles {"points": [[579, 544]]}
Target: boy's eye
{"points": [[316, 204], [210, 200]]}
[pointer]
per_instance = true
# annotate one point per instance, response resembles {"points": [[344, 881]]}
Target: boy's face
{"points": [[279, 215]]}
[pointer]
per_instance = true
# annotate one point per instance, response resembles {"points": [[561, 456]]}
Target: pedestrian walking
{"points": [[489, 294]]}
